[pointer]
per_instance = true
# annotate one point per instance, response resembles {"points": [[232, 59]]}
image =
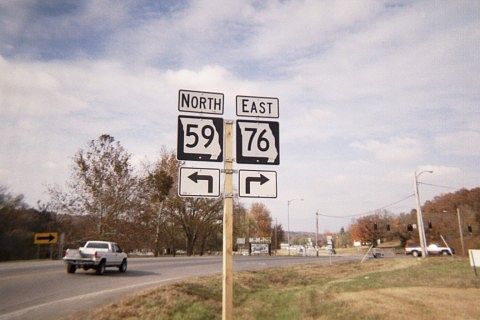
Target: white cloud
{"points": [[461, 143], [394, 150]]}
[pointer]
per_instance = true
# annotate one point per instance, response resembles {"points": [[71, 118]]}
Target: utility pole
{"points": [[316, 234], [421, 227], [288, 225], [276, 236], [460, 230]]}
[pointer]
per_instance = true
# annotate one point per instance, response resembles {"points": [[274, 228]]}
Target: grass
{"points": [[405, 288]]}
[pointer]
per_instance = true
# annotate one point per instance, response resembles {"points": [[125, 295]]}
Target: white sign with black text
{"points": [[257, 184], [200, 102], [199, 182], [258, 107]]}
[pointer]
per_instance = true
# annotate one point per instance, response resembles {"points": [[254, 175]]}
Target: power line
{"points": [[437, 185], [370, 211]]}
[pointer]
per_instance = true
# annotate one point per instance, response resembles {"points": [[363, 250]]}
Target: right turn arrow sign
{"points": [[257, 184], [262, 179]]}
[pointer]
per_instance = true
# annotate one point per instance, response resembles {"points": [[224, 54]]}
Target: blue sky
{"points": [[369, 91]]}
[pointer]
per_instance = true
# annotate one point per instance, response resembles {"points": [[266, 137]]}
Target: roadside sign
{"points": [[263, 107], [200, 139], [199, 182], [257, 184], [45, 238], [200, 102], [258, 142]]}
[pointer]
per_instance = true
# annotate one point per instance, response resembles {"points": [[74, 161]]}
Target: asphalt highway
{"points": [[43, 289]]}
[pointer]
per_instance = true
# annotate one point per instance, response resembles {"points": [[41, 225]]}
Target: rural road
{"points": [[43, 290]]}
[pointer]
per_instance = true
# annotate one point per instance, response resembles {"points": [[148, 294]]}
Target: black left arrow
{"points": [[262, 179], [195, 177], [49, 238]]}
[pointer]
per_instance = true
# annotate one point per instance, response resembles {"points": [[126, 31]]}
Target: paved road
{"points": [[43, 290]]}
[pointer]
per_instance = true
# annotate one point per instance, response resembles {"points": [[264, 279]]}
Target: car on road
{"points": [[96, 255], [432, 249]]}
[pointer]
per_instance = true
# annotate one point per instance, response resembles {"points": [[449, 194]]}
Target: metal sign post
{"points": [[227, 278]]}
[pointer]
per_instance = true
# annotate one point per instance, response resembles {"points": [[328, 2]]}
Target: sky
{"points": [[369, 92]]}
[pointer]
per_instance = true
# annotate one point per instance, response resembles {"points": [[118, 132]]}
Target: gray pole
{"points": [[288, 221], [316, 234], [288, 225], [460, 231], [276, 244], [420, 226]]}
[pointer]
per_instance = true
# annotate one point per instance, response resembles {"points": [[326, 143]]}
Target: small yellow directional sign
{"points": [[45, 238]]}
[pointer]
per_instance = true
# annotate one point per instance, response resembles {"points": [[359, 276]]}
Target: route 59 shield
{"points": [[258, 142], [200, 139]]}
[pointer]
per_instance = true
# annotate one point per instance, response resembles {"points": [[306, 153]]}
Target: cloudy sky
{"points": [[369, 92]]}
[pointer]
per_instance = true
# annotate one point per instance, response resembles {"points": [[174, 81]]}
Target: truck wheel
{"points": [[415, 253], [101, 268], [71, 268], [123, 266]]}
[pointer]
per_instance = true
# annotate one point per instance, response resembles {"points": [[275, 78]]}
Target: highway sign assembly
{"points": [[199, 182], [257, 184], [261, 107], [45, 238], [200, 139], [258, 142], [200, 102]]}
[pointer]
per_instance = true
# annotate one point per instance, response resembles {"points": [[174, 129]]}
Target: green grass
{"points": [[343, 291]]}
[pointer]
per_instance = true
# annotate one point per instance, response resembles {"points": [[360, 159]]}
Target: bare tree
{"points": [[101, 185]]}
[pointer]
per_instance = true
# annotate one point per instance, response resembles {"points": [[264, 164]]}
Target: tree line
{"points": [[106, 199]]}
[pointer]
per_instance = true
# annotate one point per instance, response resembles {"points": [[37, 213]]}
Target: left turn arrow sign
{"points": [[199, 182]]}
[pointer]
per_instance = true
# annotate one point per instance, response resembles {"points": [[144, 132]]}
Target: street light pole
{"points": [[421, 227], [316, 233], [288, 222]]}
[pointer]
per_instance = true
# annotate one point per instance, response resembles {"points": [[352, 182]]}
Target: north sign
{"points": [[258, 107], [199, 182], [200, 102], [45, 238], [258, 142], [257, 184], [200, 139]]}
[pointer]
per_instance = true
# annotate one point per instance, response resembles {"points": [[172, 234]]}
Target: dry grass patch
{"points": [[403, 288], [414, 303]]}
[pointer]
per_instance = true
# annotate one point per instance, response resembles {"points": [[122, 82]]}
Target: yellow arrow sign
{"points": [[45, 238]]}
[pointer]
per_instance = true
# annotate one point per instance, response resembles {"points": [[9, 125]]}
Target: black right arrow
{"points": [[195, 177], [262, 179], [49, 238]]}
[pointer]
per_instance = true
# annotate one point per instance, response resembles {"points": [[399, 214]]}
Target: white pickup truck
{"points": [[96, 255], [433, 248]]}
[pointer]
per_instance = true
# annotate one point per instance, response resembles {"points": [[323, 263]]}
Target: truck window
{"points": [[97, 245]]}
